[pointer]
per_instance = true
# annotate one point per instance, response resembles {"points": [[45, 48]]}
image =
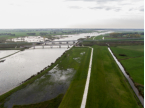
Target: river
{"points": [[22, 65]]}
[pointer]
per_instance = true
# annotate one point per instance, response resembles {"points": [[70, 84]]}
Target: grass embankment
{"points": [[74, 94], [74, 58], [108, 87], [133, 62]]}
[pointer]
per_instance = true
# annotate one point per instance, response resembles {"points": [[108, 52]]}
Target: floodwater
{"points": [[47, 87], [4, 53], [19, 67], [128, 78], [24, 64], [82, 35]]}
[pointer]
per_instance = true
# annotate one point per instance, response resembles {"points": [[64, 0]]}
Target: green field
{"points": [[108, 87], [133, 62]]}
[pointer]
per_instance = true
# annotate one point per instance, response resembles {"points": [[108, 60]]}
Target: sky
{"points": [[122, 14]]}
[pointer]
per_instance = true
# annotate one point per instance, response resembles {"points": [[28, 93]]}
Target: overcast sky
{"points": [[72, 14]]}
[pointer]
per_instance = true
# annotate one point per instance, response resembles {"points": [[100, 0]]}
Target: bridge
{"points": [[56, 43]]}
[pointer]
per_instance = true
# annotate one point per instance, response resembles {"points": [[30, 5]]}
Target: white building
{"points": [[30, 39]]}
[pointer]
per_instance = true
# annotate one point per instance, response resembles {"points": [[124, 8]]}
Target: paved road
{"points": [[83, 104]]}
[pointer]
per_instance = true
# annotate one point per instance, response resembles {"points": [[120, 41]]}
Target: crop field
{"points": [[108, 87], [53, 82], [132, 58]]}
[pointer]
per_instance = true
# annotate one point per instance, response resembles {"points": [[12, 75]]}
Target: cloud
{"points": [[106, 8], [142, 9], [117, 10], [75, 7], [139, 8], [93, 0], [96, 7], [104, 0]]}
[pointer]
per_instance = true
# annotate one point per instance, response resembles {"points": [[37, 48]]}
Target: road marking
{"points": [[83, 104]]}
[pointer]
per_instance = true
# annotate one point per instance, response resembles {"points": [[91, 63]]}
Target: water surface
{"points": [[4, 53]]}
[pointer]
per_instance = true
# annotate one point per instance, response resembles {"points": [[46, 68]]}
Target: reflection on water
{"points": [[128, 78], [22, 65], [49, 86], [4, 53]]}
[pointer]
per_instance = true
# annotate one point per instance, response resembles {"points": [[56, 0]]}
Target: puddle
{"points": [[82, 53], [48, 86], [77, 59]]}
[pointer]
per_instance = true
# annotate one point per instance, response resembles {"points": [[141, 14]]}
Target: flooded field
{"points": [[22, 65], [48, 86]]}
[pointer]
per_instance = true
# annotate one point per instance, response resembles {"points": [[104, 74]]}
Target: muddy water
{"points": [[128, 78], [49, 86]]}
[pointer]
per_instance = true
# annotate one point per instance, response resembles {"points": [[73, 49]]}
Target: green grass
{"points": [[133, 62], [135, 68], [74, 94], [108, 87]]}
